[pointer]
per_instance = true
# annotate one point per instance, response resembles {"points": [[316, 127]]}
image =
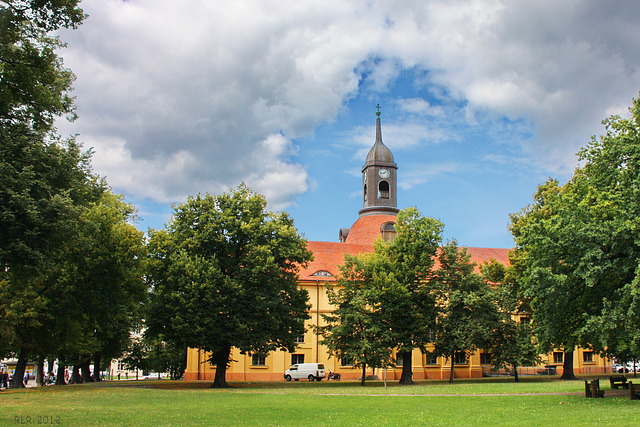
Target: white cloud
{"points": [[420, 107], [196, 97], [415, 175]]}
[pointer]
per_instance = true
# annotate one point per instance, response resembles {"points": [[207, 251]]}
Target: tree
{"points": [[512, 343], [355, 330], [386, 296], [467, 312], [33, 82], [164, 356], [110, 276], [224, 274], [579, 244], [135, 357], [44, 182], [43, 190], [408, 306]]}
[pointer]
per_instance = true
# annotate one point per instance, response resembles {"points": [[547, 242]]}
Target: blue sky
{"points": [[482, 100]]}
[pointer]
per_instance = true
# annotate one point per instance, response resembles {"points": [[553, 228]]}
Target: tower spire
{"points": [[379, 178], [378, 127]]}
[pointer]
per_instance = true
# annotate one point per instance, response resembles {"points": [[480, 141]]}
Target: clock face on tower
{"points": [[384, 173]]}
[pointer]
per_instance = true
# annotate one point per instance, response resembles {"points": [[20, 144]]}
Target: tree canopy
{"points": [[224, 274], [66, 242], [579, 246], [386, 296], [467, 314], [356, 330]]}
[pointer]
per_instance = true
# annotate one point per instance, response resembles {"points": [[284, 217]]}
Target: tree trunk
{"points": [[86, 370], [40, 372], [567, 367], [515, 372], [50, 361], [97, 358], [221, 359], [60, 374], [407, 371], [364, 374], [18, 374], [453, 365], [75, 375]]}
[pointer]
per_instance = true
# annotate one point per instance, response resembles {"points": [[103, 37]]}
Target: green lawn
{"points": [[467, 402]]}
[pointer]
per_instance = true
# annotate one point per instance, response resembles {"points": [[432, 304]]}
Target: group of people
{"points": [[5, 380]]}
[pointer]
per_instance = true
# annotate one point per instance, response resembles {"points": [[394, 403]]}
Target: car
{"points": [[311, 371], [152, 376], [631, 366]]}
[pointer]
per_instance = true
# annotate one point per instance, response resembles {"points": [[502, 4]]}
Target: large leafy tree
{"points": [[356, 330], [580, 248], [467, 311], [224, 274], [44, 190], [386, 294], [39, 174], [408, 304], [43, 180], [105, 270], [512, 344]]}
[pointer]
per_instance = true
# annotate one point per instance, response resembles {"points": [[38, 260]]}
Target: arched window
{"points": [[383, 190], [322, 273], [388, 231], [365, 193]]}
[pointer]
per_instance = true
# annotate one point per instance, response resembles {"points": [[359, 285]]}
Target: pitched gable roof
{"points": [[328, 256]]}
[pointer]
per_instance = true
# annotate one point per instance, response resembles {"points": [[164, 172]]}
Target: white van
{"points": [[311, 371]]}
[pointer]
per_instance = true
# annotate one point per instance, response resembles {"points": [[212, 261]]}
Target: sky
{"points": [[481, 101]]}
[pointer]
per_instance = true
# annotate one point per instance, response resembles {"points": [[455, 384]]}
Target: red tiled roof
{"points": [[480, 255], [367, 228], [328, 255]]}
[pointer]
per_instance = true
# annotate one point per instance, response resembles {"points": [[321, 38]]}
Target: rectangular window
{"points": [[485, 358], [430, 358], [587, 356], [297, 359], [399, 360], [346, 361], [461, 358], [258, 360], [300, 339], [525, 320], [558, 357]]}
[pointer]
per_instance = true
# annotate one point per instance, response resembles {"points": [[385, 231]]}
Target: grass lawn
{"points": [[492, 402]]}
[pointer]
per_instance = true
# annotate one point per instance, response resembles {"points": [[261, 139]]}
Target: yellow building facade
{"points": [[376, 219]]}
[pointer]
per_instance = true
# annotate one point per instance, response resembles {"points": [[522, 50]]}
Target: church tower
{"points": [[379, 179]]}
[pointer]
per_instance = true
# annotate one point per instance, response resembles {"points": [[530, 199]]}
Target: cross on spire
{"points": [[378, 112]]}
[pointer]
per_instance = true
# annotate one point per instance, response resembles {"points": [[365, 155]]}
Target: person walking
{"points": [[4, 379]]}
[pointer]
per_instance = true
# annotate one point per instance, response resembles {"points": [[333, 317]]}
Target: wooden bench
{"points": [[618, 382], [592, 388], [634, 391]]}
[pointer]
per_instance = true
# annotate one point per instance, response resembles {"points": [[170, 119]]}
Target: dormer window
{"points": [[388, 231], [322, 273]]}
